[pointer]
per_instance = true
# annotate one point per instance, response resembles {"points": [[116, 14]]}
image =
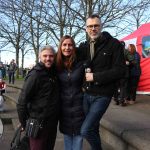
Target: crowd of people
{"points": [[74, 87], [9, 69]]}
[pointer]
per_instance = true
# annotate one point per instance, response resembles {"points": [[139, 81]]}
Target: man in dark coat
{"points": [[105, 65], [39, 99], [12, 67]]}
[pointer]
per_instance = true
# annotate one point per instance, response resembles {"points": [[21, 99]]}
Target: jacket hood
{"points": [[39, 66]]}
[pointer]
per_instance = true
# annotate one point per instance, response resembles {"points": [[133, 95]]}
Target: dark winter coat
{"points": [[130, 58], [108, 64], [39, 95], [135, 69], [12, 67], [71, 96]]}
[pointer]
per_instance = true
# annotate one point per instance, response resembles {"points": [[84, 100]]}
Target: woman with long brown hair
{"points": [[134, 74], [70, 75]]}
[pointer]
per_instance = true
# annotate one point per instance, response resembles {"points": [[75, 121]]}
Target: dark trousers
{"points": [[133, 84], [116, 93], [123, 89], [2, 91], [121, 85], [94, 108], [46, 139], [11, 76]]}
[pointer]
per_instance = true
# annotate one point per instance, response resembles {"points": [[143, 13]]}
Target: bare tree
{"points": [[11, 26], [59, 20], [133, 18], [34, 14], [28, 24], [138, 16], [112, 12]]}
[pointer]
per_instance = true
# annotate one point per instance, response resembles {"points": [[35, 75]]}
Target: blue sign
{"points": [[146, 46]]}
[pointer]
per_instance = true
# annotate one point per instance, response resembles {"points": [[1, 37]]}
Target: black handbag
{"points": [[19, 141], [33, 127]]}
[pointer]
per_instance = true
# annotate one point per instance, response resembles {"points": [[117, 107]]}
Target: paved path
{"points": [[1, 128], [125, 128], [130, 125]]}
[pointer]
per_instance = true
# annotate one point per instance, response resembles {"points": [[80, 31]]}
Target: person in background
{"points": [[104, 64], [122, 84], [12, 67], [70, 74], [2, 90], [2, 86], [134, 74], [24, 72], [2, 71], [1, 75], [39, 99]]}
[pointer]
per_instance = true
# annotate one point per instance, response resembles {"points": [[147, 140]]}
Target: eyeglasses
{"points": [[95, 26]]}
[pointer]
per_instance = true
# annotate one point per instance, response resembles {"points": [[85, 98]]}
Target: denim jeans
{"points": [[94, 108], [11, 76], [73, 142]]}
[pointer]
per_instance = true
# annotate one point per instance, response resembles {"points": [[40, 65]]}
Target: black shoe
{"points": [[123, 104], [117, 102]]}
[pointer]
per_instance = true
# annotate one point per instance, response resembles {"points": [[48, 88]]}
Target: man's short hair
{"points": [[94, 16], [47, 47]]}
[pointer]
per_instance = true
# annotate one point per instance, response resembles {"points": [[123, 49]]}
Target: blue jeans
{"points": [[11, 76], [73, 142], [94, 108]]}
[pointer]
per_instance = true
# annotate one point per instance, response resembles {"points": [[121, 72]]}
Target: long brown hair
{"points": [[132, 48], [60, 60]]}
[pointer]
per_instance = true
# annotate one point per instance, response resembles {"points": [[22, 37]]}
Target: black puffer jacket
{"points": [[108, 64], [71, 114], [39, 96]]}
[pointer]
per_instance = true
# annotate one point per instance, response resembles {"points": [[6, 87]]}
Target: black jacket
{"points": [[71, 96], [134, 68], [108, 64], [39, 95]]}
